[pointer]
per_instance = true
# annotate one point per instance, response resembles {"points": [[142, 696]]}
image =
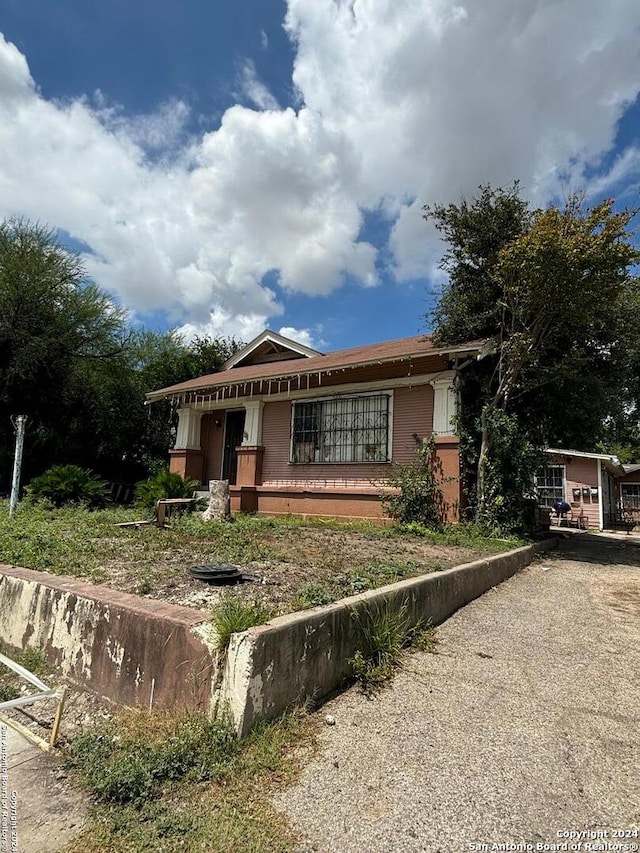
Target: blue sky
{"points": [[229, 166]]}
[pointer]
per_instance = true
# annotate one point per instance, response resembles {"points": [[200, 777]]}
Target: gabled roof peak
{"points": [[268, 347]]}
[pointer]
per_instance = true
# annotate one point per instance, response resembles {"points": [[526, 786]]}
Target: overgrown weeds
{"points": [[462, 535], [370, 575], [385, 633], [127, 760], [232, 615], [329, 559], [175, 781]]}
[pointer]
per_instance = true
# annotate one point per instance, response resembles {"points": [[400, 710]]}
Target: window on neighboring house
{"points": [[630, 493], [344, 429], [550, 485]]}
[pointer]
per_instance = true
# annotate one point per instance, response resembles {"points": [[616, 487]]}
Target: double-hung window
{"points": [[550, 485], [630, 494], [341, 429]]}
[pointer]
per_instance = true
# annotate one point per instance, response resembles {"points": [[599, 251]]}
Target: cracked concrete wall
{"points": [[133, 651], [305, 655]]}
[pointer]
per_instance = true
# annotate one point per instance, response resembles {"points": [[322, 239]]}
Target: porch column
{"points": [[253, 423], [250, 454], [445, 408], [186, 457]]}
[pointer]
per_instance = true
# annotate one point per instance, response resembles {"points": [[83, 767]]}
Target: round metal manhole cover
{"points": [[216, 573]]}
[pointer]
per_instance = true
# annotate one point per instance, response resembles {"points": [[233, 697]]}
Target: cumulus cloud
{"points": [[401, 103], [437, 97]]}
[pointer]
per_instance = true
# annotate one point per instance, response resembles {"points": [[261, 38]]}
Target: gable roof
{"points": [[402, 349], [276, 347]]}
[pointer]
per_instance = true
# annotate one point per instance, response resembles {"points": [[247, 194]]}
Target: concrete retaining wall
{"points": [[131, 650], [305, 654], [140, 652]]}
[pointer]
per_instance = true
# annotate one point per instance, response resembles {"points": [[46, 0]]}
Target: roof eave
{"points": [[302, 367], [610, 460]]}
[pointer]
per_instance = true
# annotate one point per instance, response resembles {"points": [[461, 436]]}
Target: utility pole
{"points": [[19, 424]]}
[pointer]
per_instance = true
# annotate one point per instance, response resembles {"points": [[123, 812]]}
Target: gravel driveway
{"points": [[523, 728]]}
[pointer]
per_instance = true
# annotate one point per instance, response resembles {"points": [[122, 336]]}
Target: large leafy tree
{"points": [[54, 325], [553, 288], [70, 361], [157, 360]]}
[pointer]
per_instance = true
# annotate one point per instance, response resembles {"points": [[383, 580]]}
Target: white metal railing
{"points": [[29, 699]]}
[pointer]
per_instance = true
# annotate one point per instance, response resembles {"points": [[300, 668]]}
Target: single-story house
{"points": [[629, 491], [599, 487], [298, 431]]}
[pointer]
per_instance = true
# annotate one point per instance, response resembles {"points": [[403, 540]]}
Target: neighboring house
{"points": [[629, 486], [298, 431], [596, 482]]}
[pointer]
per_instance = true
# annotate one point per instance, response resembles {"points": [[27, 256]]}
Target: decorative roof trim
{"points": [[224, 384], [275, 338]]}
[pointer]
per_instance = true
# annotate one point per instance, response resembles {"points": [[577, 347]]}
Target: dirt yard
{"points": [[294, 563], [294, 567]]}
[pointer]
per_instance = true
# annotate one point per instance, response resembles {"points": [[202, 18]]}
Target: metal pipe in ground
{"points": [[19, 424]]}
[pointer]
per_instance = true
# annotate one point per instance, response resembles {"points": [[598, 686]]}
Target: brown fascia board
{"points": [[319, 364]]}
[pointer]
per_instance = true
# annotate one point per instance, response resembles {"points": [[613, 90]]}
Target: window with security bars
{"points": [[630, 494], [550, 485], [347, 429]]}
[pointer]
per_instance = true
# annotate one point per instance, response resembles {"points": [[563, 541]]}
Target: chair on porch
{"points": [[578, 518]]}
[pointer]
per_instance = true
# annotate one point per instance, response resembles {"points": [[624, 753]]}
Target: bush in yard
{"points": [[419, 498], [69, 484], [163, 484]]}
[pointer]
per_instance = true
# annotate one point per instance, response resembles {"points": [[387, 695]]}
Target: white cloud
{"points": [[403, 102], [302, 336], [244, 327], [624, 169], [437, 97], [254, 89]]}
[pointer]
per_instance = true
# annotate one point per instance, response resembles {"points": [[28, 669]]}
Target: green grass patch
{"points": [[313, 595], [232, 615], [385, 634], [461, 535], [175, 782], [126, 761], [372, 574]]}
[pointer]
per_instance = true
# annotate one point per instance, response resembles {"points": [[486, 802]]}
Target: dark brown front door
{"points": [[233, 436]]}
